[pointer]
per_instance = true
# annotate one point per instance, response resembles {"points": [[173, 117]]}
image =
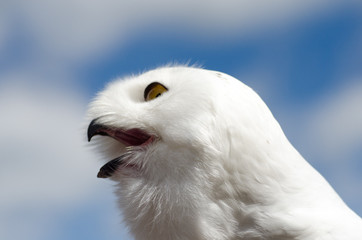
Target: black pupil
{"points": [[158, 95]]}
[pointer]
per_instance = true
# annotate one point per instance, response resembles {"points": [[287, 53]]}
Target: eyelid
{"points": [[150, 87]]}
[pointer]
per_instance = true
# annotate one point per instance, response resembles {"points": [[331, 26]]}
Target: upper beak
{"points": [[95, 129]]}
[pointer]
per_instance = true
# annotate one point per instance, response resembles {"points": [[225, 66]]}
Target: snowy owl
{"points": [[198, 155]]}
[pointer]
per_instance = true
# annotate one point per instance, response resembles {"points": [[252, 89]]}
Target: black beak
{"points": [[95, 129], [109, 168]]}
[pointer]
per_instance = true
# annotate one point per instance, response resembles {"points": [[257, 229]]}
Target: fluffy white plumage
{"points": [[207, 160]]}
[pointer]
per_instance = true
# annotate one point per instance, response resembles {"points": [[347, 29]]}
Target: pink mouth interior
{"points": [[132, 137]]}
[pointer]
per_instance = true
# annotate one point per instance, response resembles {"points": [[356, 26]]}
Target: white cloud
{"points": [[46, 168], [41, 139], [73, 29], [336, 122]]}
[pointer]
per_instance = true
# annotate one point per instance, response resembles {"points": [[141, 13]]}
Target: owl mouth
{"points": [[130, 137]]}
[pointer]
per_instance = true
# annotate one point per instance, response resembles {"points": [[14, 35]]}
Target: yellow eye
{"points": [[154, 90]]}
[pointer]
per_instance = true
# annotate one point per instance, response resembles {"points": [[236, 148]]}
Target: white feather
{"points": [[221, 167]]}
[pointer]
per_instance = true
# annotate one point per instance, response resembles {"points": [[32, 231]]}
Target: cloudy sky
{"points": [[304, 58]]}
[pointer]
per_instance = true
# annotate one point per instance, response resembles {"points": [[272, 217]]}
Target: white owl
{"points": [[198, 155]]}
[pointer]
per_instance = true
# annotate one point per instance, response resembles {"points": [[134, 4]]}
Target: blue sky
{"points": [[304, 59]]}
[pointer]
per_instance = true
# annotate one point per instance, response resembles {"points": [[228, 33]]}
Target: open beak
{"points": [[130, 137]]}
